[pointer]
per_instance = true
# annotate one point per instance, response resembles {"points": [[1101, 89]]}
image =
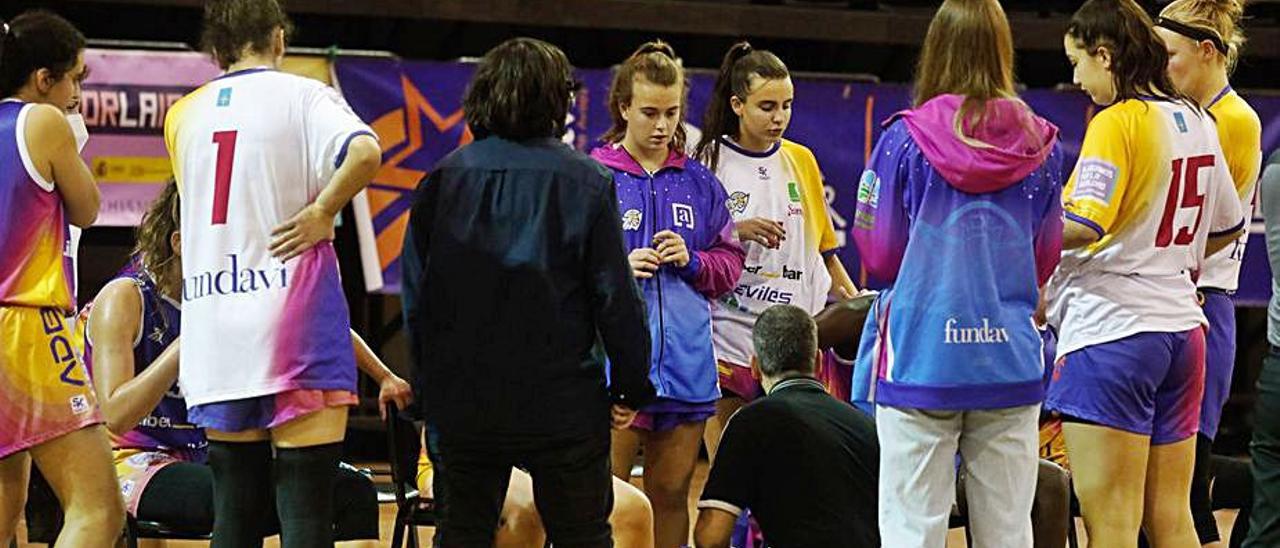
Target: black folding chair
{"points": [[404, 443]]}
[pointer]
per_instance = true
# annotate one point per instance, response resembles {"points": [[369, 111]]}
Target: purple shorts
{"points": [[1219, 358], [737, 381], [1148, 383], [265, 412], [665, 414]]}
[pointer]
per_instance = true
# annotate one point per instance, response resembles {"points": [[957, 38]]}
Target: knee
{"points": [[632, 513], [106, 515], [520, 525], [668, 491]]}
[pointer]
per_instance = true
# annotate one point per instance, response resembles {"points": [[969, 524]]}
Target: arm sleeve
{"points": [[731, 483], [330, 125], [881, 221], [1096, 188], [1048, 244], [619, 308], [1269, 196], [714, 270], [1228, 213]]}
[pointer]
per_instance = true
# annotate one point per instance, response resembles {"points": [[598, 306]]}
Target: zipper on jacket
{"points": [[657, 278]]}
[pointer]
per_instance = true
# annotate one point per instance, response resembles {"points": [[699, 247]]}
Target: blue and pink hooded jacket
{"points": [[964, 231], [685, 197]]}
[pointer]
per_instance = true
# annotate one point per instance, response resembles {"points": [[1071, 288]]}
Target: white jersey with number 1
{"points": [[250, 150]]}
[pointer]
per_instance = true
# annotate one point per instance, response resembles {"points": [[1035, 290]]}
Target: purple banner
{"points": [[416, 109]]}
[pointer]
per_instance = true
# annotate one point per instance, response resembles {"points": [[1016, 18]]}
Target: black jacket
{"points": [[514, 273]]}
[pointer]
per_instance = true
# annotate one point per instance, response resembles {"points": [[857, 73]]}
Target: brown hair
{"points": [[656, 62], [519, 91], [740, 63], [1218, 17], [154, 250], [34, 40], [231, 25], [1138, 55]]}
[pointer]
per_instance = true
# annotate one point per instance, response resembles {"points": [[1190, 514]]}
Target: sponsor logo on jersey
{"points": [[682, 215], [765, 293], [1180, 121], [787, 273], [763, 172], [631, 219], [793, 191], [233, 280], [1096, 181], [984, 334], [224, 97], [737, 202]]}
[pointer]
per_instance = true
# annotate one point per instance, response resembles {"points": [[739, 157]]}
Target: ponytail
{"points": [[740, 63]]}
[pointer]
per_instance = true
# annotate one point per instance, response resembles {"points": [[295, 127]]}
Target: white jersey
{"points": [[1152, 181], [250, 150], [766, 185]]}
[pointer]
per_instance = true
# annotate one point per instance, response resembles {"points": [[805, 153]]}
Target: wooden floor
{"points": [[955, 539]]}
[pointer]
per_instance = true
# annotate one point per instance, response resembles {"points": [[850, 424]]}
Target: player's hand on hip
{"points": [[309, 227], [395, 390], [622, 416], [766, 232], [644, 262], [671, 248]]}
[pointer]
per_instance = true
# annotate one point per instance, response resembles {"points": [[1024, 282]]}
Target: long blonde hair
{"points": [[154, 248]]}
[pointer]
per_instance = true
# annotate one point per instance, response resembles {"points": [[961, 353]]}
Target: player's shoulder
{"points": [[1236, 113]]}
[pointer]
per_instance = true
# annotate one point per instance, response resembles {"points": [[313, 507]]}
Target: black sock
{"points": [[304, 481], [241, 501]]}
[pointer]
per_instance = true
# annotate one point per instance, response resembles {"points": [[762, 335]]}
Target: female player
{"points": [[679, 235], [131, 334], [1203, 39], [267, 367], [1150, 196], [49, 412], [959, 210], [779, 209]]}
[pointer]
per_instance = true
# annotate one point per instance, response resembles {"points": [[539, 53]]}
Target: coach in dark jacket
{"points": [[515, 273]]}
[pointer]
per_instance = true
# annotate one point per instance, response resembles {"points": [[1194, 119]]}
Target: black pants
{"points": [[572, 489], [1264, 523], [181, 497]]}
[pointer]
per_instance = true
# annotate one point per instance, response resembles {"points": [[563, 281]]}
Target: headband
{"points": [[1194, 33]]}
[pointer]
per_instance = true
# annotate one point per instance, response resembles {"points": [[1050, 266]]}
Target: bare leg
{"points": [[1110, 469], [78, 468]]}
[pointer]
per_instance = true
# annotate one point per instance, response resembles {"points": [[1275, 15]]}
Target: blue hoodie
{"points": [[964, 231], [685, 197]]}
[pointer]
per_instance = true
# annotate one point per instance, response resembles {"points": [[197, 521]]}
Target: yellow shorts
{"points": [[45, 391], [134, 470], [1053, 445]]}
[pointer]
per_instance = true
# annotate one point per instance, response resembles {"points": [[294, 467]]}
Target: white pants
{"points": [[918, 474]]}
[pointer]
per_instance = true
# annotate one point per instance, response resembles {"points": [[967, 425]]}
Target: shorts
{"points": [[1149, 383], [45, 391], [134, 470], [666, 414], [836, 375], [738, 381], [1219, 358], [264, 412]]}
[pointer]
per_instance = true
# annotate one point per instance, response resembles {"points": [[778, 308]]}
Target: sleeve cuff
{"points": [[342, 152], [1087, 222], [690, 271], [720, 505], [1231, 230]]}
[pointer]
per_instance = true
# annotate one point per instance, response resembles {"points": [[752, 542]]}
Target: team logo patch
{"points": [[683, 215], [1096, 181], [737, 202], [79, 404], [631, 219], [869, 189], [224, 97]]}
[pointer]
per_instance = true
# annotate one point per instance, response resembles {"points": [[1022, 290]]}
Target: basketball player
{"points": [[49, 413], [1204, 40], [1150, 196], [267, 362]]}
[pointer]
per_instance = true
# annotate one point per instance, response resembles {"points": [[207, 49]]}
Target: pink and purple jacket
{"points": [[685, 197], [964, 231]]}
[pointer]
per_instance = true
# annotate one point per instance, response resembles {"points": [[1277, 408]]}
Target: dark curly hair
{"points": [[36, 40]]}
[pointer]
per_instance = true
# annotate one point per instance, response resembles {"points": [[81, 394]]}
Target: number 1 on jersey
{"points": [[226, 141]]}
